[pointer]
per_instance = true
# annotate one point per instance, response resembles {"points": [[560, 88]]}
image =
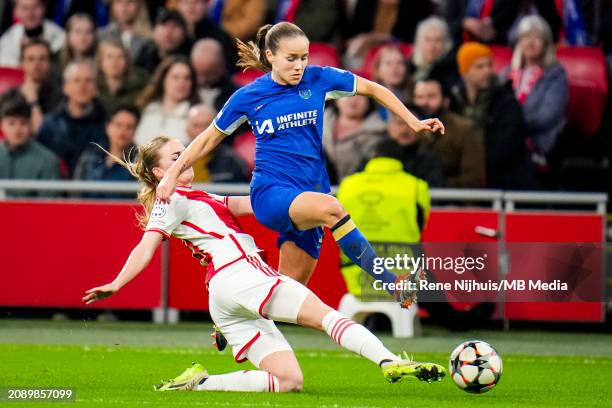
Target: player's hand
{"points": [[432, 125], [99, 293], [165, 188]]}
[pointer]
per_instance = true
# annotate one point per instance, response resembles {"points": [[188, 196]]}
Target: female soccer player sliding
{"points": [[246, 295], [290, 186]]}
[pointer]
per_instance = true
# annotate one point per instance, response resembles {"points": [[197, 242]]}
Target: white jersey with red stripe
{"points": [[206, 225]]}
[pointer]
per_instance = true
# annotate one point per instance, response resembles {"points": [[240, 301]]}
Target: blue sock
{"points": [[360, 252]]}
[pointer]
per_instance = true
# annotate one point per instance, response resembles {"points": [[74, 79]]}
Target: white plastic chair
{"points": [[404, 322]]}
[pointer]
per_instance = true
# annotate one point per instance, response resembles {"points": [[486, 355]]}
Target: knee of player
{"points": [[292, 383], [334, 212]]}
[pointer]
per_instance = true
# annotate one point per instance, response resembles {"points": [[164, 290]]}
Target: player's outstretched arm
{"points": [[386, 98], [203, 144], [240, 205], [138, 260]]}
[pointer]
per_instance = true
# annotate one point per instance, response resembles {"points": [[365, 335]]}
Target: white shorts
{"points": [[245, 299]]}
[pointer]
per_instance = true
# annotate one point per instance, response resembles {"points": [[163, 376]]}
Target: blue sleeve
{"points": [[338, 82], [233, 114]]}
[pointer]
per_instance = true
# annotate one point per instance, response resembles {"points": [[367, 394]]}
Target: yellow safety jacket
{"points": [[385, 202]]}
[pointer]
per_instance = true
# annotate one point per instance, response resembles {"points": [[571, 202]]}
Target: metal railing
{"points": [[545, 197], [103, 187], [497, 199]]}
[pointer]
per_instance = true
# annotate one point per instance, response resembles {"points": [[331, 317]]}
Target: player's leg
{"points": [[310, 209], [311, 312], [268, 350], [295, 262], [279, 371], [256, 340], [284, 367], [236, 302], [293, 303]]}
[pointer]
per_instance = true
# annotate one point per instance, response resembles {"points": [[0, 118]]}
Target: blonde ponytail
{"points": [[145, 159]]}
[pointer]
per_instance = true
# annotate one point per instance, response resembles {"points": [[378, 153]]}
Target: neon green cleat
{"points": [[395, 371], [187, 381]]}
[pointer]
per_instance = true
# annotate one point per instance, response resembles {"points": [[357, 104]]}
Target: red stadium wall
{"points": [[51, 252], [558, 227]]}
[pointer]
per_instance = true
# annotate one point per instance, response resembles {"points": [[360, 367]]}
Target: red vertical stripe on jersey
{"points": [[233, 238]]}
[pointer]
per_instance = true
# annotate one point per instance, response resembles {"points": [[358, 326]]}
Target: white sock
{"points": [[356, 338], [247, 380]]}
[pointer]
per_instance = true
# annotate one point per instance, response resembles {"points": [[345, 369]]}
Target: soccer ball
{"points": [[475, 366]]}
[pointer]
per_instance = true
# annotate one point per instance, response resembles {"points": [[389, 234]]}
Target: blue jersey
{"points": [[287, 121]]}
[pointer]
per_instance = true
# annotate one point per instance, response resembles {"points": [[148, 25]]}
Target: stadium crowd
{"points": [[120, 72]]}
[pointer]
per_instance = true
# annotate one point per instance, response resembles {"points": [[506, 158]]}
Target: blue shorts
{"points": [[271, 208]]}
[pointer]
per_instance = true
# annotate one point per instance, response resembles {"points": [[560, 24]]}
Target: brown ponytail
{"points": [[145, 159], [253, 54]]}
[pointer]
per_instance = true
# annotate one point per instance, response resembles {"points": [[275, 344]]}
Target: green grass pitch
{"points": [[117, 364]]}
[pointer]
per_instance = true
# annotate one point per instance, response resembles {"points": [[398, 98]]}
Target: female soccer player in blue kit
{"points": [[290, 186]]}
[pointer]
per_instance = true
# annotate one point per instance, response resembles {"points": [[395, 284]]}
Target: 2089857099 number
{"points": [[31, 394]]}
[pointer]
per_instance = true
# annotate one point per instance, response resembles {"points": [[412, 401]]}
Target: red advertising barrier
{"points": [[52, 252], [553, 227], [461, 226]]}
